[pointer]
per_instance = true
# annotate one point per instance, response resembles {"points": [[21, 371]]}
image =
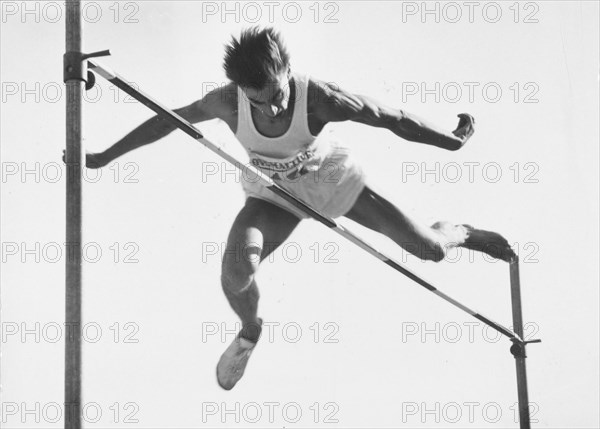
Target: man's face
{"points": [[273, 99]]}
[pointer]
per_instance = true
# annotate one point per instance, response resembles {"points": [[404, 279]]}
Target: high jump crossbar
{"points": [[274, 187]]}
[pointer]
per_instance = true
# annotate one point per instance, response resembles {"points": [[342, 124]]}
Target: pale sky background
{"points": [[363, 370]]}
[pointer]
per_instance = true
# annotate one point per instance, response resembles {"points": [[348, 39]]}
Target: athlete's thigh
{"points": [[259, 229], [377, 213]]}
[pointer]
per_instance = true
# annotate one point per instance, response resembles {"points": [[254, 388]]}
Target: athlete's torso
{"points": [[287, 147], [276, 141]]}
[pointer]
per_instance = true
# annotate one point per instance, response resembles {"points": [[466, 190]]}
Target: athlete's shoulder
{"points": [[328, 101], [319, 90], [224, 97], [220, 102]]}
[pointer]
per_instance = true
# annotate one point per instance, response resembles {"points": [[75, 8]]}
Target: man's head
{"points": [[259, 63]]}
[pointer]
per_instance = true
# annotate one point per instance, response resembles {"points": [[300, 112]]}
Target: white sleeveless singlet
{"points": [[317, 170]]}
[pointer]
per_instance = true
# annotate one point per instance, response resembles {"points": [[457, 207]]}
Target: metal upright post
{"points": [[73, 160], [77, 79], [518, 348]]}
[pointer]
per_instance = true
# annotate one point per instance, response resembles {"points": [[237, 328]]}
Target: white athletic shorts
{"points": [[332, 189]]}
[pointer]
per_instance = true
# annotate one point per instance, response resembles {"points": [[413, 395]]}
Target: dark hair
{"points": [[256, 58]]}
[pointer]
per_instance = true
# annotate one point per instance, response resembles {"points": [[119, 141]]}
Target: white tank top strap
{"points": [[300, 120]]}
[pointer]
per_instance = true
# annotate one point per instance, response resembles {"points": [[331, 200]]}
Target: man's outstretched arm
{"points": [[336, 105], [156, 128]]}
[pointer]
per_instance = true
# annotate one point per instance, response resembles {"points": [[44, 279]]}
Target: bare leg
{"points": [[429, 243], [258, 230]]}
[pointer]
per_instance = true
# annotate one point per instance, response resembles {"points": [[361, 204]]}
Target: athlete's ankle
{"points": [[251, 331]]}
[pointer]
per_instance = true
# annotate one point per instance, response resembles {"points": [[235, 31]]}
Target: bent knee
{"points": [[237, 272], [236, 278], [434, 252]]}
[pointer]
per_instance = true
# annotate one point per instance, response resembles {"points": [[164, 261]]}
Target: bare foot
{"points": [[488, 242]]}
